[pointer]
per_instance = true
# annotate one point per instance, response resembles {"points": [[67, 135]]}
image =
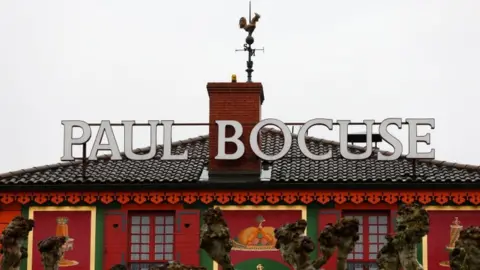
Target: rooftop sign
{"points": [[106, 131]]}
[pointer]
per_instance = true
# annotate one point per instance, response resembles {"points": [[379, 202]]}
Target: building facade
{"points": [[144, 213]]}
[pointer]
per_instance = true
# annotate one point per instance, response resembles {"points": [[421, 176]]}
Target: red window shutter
{"points": [[187, 236], [393, 222], [326, 216], [115, 238]]}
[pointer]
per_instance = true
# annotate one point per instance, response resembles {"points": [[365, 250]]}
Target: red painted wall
{"points": [[78, 228], [7, 213], [439, 235], [239, 220]]}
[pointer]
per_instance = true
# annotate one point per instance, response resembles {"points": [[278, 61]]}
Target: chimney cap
{"points": [[234, 78]]}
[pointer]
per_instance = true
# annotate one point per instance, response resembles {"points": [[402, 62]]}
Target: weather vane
{"points": [[249, 27]]}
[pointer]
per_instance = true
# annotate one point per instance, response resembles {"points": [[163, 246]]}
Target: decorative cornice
{"points": [[244, 197]]}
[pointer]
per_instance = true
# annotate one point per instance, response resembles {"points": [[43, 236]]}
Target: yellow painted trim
{"points": [[301, 208], [93, 213], [441, 208]]}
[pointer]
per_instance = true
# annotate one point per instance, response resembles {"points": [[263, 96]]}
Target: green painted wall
{"points": [[267, 264], [312, 227], [99, 238], [23, 265], [420, 253]]}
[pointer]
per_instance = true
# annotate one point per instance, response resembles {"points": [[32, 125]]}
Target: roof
{"points": [[294, 167]]}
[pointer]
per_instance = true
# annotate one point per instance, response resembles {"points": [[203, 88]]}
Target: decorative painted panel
{"points": [[75, 223], [252, 231], [445, 225]]}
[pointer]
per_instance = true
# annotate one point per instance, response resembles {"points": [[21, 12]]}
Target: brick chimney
{"points": [[241, 102]]}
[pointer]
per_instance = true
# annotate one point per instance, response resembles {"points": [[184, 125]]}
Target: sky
{"points": [[96, 60]]}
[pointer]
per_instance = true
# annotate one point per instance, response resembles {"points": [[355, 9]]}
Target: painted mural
{"points": [[252, 231], [445, 225], [76, 224]]}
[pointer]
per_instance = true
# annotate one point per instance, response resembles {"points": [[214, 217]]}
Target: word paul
{"points": [[105, 130]]}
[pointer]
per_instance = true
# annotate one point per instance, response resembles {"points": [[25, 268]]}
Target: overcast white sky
{"points": [[118, 60]]}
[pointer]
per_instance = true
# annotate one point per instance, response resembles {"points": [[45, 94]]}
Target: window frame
{"points": [[366, 261], [151, 215]]}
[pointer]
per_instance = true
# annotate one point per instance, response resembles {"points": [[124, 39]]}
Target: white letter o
{"points": [[286, 135]]}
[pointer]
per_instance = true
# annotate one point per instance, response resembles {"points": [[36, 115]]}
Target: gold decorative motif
{"points": [[256, 238], [62, 230], [455, 229]]}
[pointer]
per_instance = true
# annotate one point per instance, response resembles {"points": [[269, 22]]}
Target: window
{"points": [[372, 231], [151, 239]]}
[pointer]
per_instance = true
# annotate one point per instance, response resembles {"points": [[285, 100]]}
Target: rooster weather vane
{"points": [[249, 27]]}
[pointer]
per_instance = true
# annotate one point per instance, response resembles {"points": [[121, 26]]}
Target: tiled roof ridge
{"points": [[439, 163]]}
